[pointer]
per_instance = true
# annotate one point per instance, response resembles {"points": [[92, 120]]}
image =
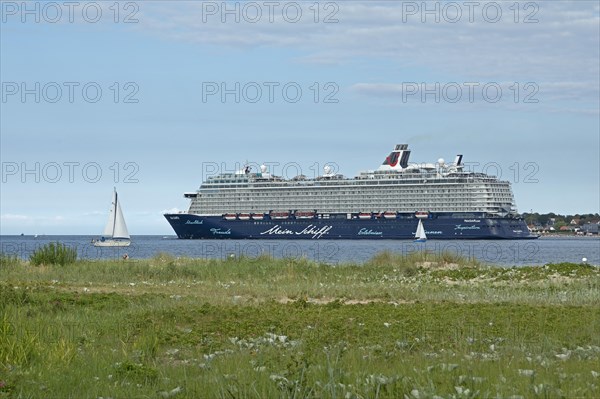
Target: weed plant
{"points": [[53, 254]]}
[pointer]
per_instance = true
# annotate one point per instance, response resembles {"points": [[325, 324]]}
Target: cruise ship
{"points": [[387, 203]]}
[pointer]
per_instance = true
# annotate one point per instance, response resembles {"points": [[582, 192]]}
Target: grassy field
{"points": [[419, 326]]}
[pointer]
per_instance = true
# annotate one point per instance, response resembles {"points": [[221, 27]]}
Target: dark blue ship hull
{"points": [[437, 226]]}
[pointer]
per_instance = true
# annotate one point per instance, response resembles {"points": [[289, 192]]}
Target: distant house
{"points": [[590, 228], [534, 227], [574, 222]]}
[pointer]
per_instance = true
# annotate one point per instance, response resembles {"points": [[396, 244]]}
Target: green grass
{"points": [[53, 254], [394, 327]]}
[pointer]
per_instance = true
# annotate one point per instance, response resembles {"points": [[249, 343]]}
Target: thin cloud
{"points": [[562, 44], [559, 52]]}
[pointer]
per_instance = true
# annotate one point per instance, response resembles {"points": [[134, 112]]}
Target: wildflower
{"points": [[171, 393], [538, 389], [527, 373], [564, 356]]}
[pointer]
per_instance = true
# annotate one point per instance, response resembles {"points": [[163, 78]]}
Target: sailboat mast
{"points": [[114, 213]]}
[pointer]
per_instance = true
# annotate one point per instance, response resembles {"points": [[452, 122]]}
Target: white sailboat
{"points": [[420, 234], [115, 233]]}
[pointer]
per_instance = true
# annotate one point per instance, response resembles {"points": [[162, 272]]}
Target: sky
{"points": [[152, 97]]}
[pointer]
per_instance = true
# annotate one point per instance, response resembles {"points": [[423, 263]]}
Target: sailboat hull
{"points": [[112, 243]]}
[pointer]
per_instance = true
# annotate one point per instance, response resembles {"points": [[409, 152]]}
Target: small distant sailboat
{"points": [[420, 234], [115, 233]]}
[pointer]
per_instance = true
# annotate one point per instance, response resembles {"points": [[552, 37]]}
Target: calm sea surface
{"points": [[508, 253]]}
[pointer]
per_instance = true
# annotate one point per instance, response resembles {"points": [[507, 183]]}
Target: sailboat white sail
{"points": [[420, 235], [115, 233]]}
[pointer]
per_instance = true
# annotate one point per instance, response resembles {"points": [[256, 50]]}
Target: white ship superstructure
{"points": [[396, 186]]}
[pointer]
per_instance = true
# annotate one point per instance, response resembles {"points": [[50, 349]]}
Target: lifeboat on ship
{"points": [[258, 216], [230, 216], [390, 215], [422, 215], [364, 215], [280, 215], [304, 215], [244, 216]]}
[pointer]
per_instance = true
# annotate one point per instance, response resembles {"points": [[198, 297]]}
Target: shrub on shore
{"points": [[53, 254]]}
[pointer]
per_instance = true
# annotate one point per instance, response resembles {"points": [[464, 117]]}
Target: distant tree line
{"points": [[560, 220]]}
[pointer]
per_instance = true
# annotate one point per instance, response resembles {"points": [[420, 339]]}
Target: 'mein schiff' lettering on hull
{"points": [[314, 231]]}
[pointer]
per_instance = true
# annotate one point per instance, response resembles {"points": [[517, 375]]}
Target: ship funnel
{"points": [[398, 159]]}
